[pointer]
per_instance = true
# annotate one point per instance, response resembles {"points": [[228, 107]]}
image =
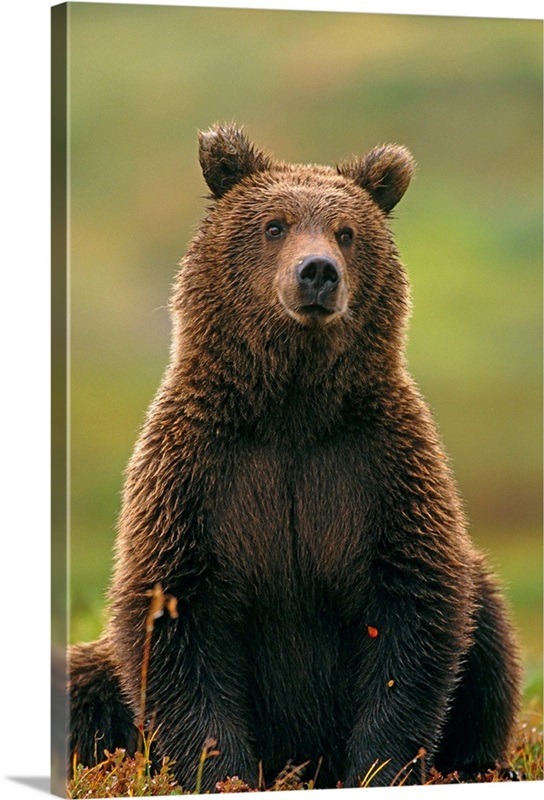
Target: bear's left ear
{"points": [[226, 156], [385, 173]]}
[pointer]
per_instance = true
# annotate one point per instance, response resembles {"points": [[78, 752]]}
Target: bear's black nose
{"points": [[318, 279], [314, 273]]}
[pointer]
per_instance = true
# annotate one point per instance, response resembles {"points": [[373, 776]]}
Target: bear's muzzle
{"points": [[314, 292]]}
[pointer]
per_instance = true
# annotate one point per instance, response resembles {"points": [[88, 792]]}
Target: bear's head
{"points": [[294, 258]]}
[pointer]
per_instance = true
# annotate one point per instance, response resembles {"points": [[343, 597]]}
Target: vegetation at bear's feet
{"points": [[527, 759], [118, 775]]}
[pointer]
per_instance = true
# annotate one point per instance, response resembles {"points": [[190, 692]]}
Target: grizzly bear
{"points": [[290, 490]]}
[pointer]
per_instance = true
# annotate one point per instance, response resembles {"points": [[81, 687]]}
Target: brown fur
{"points": [[289, 488]]}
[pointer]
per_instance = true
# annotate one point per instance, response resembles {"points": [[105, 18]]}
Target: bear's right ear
{"points": [[226, 156], [385, 173]]}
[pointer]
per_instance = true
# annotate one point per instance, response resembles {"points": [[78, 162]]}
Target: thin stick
{"points": [[159, 601]]}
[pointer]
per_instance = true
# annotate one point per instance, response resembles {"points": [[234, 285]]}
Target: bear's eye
{"points": [[345, 236], [274, 229]]}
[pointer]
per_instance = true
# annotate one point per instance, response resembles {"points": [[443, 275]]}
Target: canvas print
{"points": [[297, 386]]}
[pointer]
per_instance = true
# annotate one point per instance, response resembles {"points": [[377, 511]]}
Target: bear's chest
{"points": [[290, 520]]}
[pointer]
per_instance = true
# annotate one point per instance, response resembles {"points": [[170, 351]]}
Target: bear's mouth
{"points": [[313, 315], [315, 310]]}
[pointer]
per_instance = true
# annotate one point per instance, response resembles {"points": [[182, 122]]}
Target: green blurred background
{"points": [[465, 95]]}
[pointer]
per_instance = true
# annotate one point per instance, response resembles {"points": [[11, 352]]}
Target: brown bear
{"points": [[290, 490]]}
